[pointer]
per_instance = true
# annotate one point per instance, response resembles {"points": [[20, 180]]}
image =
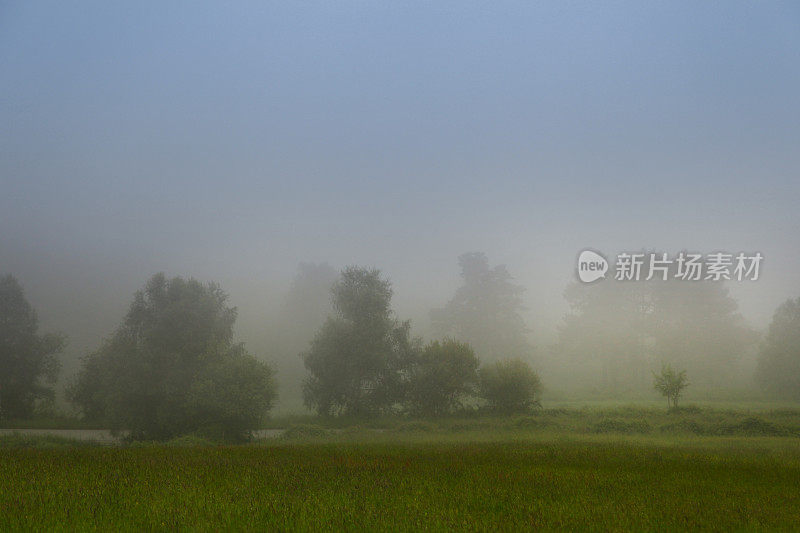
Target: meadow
{"points": [[595, 470]]}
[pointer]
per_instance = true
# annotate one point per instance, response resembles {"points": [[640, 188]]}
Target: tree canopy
{"points": [[358, 360], [510, 386], [28, 361], [172, 367], [442, 377]]}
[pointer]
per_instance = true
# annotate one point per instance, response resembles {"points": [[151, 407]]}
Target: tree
{"points": [[172, 367], [230, 395], [485, 311], [28, 360], [510, 386], [359, 360], [778, 368], [604, 341], [670, 384], [305, 307], [444, 374], [308, 301], [615, 330], [697, 326]]}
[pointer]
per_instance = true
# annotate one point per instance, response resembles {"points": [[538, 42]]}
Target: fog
{"points": [[236, 143]]}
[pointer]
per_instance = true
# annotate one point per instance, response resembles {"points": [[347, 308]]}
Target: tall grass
{"points": [[583, 482]]}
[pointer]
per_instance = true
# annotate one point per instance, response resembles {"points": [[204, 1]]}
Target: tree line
{"points": [[172, 366]]}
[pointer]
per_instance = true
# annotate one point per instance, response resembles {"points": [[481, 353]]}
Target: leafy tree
{"points": [[670, 384], [510, 386], [230, 395], [778, 368], [28, 362], [444, 374], [172, 367], [359, 359], [485, 311]]}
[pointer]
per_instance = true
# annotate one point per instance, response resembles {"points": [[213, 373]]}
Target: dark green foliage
{"points": [[172, 368], [753, 427], [230, 395], [510, 386], [442, 377], [610, 425], [746, 427], [359, 360], [779, 361], [28, 363]]}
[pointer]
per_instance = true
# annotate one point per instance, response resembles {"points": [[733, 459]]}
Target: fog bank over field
{"points": [[235, 143]]}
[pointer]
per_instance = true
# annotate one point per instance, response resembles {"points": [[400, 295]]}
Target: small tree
{"points": [[670, 384], [444, 374], [359, 360], [510, 386]]}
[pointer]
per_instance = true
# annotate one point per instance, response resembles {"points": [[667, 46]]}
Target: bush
{"points": [[609, 425], [510, 386], [753, 427], [685, 426], [442, 377]]}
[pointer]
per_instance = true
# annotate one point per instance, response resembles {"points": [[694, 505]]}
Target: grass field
{"points": [[472, 476]]}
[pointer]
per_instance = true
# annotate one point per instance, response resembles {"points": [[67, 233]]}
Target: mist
{"points": [[266, 147]]}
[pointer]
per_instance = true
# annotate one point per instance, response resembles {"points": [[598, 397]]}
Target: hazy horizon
{"points": [[230, 143]]}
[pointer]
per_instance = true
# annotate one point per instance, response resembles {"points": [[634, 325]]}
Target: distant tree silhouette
{"points": [[615, 330], [28, 361], [485, 311], [778, 368]]}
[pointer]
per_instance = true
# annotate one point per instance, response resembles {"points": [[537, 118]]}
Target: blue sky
{"points": [[231, 142]]}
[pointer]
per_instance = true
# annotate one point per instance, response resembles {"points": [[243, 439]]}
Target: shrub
{"points": [[510, 386]]}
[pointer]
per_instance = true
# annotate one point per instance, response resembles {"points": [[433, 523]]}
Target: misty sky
{"points": [[232, 141]]}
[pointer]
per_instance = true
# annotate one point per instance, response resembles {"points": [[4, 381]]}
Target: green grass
{"points": [[594, 468], [409, 479], [631, 420]]}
